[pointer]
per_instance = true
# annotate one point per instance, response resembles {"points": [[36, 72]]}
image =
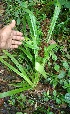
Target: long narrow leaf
{"points": [[15, 62], [33, 23], [16, 71], [30, 25], [13, 92], [27, 52], [54, 19]]}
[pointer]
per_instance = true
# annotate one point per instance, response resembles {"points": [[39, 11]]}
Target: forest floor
{"points": [[7, 77]]}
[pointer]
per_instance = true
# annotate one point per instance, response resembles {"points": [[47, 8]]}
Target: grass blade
{"points": [[13, 92]]}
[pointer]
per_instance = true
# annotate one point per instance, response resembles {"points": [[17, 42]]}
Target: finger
{"points": [[17, 38], [13, 46], [16, 33], [12, 25], [16, 42]]}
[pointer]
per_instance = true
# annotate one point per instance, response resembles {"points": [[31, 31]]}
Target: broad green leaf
{"points": [[62, 74], [57, 67], [65, 64], [67, 97], [40, 69]]}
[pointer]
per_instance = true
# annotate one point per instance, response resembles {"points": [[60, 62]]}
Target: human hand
{"points": [[10, 38]]}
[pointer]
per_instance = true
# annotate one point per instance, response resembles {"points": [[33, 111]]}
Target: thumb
{"points": [[12, 25]]}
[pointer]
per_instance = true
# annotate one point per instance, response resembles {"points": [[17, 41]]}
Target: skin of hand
{"points": [[10, 38]]}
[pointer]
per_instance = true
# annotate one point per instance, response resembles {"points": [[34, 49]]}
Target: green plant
{"points": [[67, 98], [20, 99], [30, 44], [43, 110]]}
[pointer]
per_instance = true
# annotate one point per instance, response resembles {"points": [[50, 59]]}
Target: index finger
{"points": [[16, 33]]}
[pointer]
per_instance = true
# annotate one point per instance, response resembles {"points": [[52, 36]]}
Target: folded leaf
{"points": [[40, 69]]}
